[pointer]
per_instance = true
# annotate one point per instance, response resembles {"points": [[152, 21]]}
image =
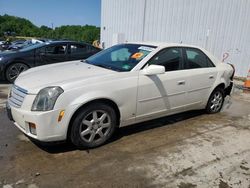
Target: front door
{"points": [[53, 53]]}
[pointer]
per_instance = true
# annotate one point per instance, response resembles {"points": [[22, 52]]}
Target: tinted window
{"points": [[197, 59], [170, 58], [122, 57], [56, 49], [77, 48]]}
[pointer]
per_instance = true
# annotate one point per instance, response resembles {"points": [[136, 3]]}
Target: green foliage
{"points": [[23, 27]]}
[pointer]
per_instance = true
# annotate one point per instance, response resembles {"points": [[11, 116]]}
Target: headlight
{"points": [[46, 99], [1, 58]]}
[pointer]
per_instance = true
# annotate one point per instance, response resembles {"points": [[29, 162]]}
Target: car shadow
{"points": [[156, 123], [3, 86], [3, 82], [62, 147]]}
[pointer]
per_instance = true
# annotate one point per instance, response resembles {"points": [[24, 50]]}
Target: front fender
{"points": [[124, 100]]}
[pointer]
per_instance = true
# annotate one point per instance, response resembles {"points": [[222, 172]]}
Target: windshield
{"points": [[31, 47], [122, 57]]}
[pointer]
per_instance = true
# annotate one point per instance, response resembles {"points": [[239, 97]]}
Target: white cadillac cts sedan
{"points": [[85, 101]]}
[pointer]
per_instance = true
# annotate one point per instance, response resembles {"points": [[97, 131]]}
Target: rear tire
{"points": [[14, 70], [93, 126], [215, 101]]}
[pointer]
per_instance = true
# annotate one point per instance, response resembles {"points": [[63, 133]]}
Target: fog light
{"points": [[32, 127], [61, 114]]}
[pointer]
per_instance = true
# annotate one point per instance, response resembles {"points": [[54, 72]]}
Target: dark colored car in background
{"points": [[5, 45], [12, 63], [16, 44]]}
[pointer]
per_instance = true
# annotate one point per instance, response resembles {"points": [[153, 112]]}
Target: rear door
{"points": [[202, 73]]}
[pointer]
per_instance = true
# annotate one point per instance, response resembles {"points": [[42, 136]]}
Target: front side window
{"points": [[170, 58], [196, 59], [123, 57]]}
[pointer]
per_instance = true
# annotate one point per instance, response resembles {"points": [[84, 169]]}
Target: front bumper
{"points": [[48, 128]]}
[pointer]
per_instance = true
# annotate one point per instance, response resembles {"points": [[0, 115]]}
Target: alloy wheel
{"points": [[95, 126], [216, 102], [14, 70]]}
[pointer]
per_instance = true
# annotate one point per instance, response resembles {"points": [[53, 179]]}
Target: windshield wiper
{"points": [[85, 61], [101, 65]]}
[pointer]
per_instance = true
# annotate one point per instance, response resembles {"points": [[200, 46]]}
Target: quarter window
{"points": [[197, 59], [170, 58]]}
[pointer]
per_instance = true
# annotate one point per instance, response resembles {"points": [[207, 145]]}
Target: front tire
{"points": [[93, 126], [215, 101], [14, 70]]}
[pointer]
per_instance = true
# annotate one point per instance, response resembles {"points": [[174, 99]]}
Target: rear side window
{"points": [[170, 58], [77, 48], [196, 59], [56, 49]]}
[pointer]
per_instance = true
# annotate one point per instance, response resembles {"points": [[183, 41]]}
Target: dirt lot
{"points": [[186, 150]]}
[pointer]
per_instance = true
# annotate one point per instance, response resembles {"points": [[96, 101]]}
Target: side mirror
{"points": [[153, 70]]}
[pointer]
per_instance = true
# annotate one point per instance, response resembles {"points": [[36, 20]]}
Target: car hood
{"points": [[60, 74], [7, 53]]}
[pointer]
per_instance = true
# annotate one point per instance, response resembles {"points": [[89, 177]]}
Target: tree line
{"points": [[12, 25]]}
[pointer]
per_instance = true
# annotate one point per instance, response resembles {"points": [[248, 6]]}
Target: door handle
{"points": [[211, 77], [182, 82]]}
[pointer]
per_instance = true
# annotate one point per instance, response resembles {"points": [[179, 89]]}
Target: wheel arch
{"points": [[84, 105], [221, 85]]}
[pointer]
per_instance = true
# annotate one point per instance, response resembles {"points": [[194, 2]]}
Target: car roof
{"points": [[64, 41], [164, 44]]}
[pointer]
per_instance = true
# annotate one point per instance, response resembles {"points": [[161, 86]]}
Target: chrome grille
{"points": [[17, 96]]}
